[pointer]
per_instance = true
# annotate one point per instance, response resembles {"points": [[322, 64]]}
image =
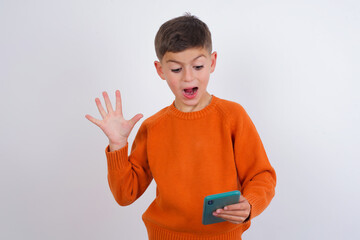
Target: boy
{"points": [[198, 146]]}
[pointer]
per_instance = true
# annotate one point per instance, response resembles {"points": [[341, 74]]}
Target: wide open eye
{"points": [[177, 70]]}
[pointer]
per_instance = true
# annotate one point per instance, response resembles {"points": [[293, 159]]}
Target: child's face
{"points": [[187, 74]]}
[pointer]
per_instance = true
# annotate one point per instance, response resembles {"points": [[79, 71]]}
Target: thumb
{"points": [[135, 119]]}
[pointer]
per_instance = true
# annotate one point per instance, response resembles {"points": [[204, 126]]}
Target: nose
{"points": [[188, 75]]}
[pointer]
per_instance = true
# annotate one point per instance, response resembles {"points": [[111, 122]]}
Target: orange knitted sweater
{"points": [[192, 155]]}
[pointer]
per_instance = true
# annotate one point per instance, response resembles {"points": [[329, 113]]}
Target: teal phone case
{"points": [[216, 201]]}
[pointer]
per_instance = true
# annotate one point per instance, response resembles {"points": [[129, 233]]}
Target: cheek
{"points": [[173, 84], [204, 76]]}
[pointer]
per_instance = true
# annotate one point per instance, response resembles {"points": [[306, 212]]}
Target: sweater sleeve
{"points": [[256, 176], [129, 176]]}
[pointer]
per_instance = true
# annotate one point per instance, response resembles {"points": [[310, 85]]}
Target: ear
{"points": [[159, 70], [213, 62]]}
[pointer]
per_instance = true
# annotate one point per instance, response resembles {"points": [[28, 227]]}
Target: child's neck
{"points": [[204, 101]]}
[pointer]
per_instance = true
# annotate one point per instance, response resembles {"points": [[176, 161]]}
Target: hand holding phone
{"points": [[216, 201]]}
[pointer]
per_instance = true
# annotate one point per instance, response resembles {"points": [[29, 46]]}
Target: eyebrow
{"points": [[170, 60]]}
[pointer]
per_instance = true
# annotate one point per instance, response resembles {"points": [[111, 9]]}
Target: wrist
{"points": [[114, 146]]}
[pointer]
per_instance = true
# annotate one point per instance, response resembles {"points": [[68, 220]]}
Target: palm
{"points": [[113, 124]]}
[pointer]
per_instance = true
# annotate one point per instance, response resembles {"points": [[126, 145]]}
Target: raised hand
{"points": [[113, 124]]}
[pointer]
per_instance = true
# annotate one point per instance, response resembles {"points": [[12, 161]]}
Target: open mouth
{"points": [[189, 92]]}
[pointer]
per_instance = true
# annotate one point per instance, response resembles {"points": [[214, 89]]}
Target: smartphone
{"points": [[216, 201]]}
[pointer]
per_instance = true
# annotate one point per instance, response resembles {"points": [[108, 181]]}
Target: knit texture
{"points": [[192, 155]]}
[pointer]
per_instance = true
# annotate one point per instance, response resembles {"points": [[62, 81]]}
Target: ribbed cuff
{"points": [[118, 159]]}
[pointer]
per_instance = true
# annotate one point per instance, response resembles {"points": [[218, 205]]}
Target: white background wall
{"points": [[293, 65]]}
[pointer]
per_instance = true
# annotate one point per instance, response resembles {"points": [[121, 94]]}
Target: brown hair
{"points": [[181, 33]]}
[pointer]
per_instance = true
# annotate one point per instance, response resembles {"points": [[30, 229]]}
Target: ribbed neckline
{"points": [[193, 115]]}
